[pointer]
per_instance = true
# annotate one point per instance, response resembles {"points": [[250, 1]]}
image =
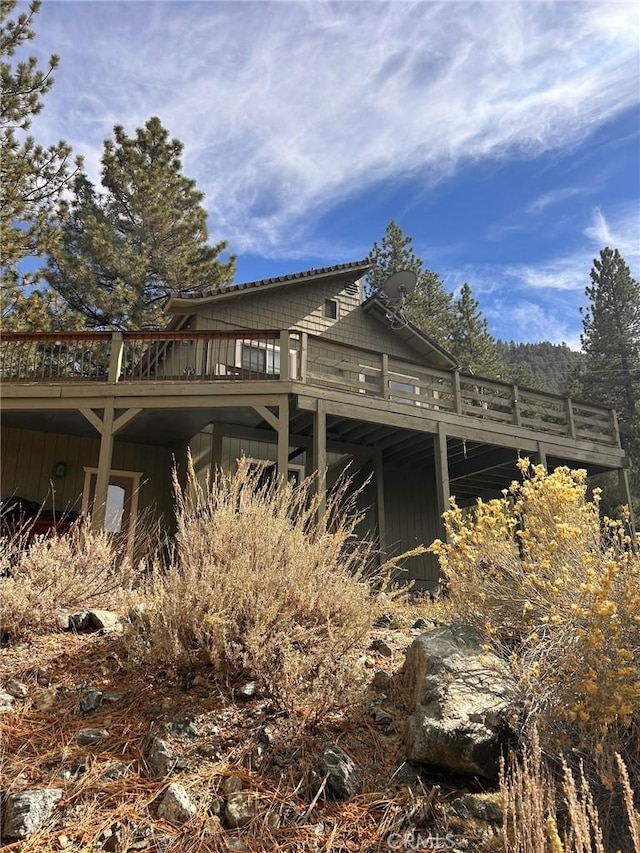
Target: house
{"points": [[301, 371]]}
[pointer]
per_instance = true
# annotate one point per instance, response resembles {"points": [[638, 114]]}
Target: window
{"points": [[260, 358], [331, 309], [268, 470], [115, 508]]}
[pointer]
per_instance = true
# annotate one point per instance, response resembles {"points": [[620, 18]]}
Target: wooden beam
{"points": [[442, 473], [542, 456], [320, 455], [93, 419], [104, 468], [283, 436], [125, 418], [625, 488], [268, 416], [380, 510]]}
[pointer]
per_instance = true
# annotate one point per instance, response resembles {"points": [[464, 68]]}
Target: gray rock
{"points": [[182, 727], [382, 719], [381, 647], [231, 785], [407, 773], [116, 770], [419, 624], [240, 810], [216, 807], [16, 689], [382, 681], [91, 701], [461, 696], [174, 804], [91, 737], [112, 697], [236, 844], [6, 701], [161, 758], [62, 620], [110, 839], [247, 691], [80, 621], [103, 619], [343, 780], [27, 811], [472, 806]]}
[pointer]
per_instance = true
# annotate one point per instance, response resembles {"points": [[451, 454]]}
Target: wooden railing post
{"points": [[517, 415], [304, 349], [285, 341], [385, 375], [571, 421], [615, 429], [457, 393], [115, 359]]}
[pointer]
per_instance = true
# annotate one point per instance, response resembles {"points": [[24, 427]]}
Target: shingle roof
{"points": [[360, 266]]}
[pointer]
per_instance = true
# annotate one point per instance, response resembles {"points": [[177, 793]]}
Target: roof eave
{"points": [[177, 304], [415, 336]]}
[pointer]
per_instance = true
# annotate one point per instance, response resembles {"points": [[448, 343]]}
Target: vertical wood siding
{"points": [[29, 457], [411, 519]]}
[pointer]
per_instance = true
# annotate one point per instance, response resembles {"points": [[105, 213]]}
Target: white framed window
{"points": [[263, 357], [121, 511]]}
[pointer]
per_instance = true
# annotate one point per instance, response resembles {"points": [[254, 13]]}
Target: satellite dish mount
{"points": [[394, 293]]}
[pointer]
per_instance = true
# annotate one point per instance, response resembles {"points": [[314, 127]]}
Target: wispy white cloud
{"points": [[287, 108], [556, 196]]}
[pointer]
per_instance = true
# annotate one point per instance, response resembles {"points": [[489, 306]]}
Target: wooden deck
{"points": [[232, 359]]}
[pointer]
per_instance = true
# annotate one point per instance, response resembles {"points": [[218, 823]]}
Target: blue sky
{"points": [[503, 137]]}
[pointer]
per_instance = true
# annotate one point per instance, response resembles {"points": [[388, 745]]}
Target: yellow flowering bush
{"points": [[546, 578]]}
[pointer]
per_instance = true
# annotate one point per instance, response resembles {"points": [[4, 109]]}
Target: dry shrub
{"points": [[535, 822], [261, 589], [80, 568]]}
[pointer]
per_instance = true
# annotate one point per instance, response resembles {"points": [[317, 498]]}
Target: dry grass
{"points": [[81, 568], [557, 813], [261, 588]]}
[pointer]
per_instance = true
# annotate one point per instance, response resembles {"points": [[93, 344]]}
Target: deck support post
{"points": [[625, 488], [380, 511], [108, 427], [104, 468], [283, 436], [542, 457], [320, 455], [442, 472]]}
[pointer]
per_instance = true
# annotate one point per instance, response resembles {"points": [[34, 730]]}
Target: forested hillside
{"points": [[549, 367]]}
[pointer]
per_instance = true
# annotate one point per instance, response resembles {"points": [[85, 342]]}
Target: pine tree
{"points": [[472, 345], [611, 343], [429, 306], [122, 250], [32, 177]]}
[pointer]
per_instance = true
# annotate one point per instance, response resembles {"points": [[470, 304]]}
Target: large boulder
{"points": [[461, 696]]}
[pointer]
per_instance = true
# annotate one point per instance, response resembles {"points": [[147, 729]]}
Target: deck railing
{"points": [[246, 355]]}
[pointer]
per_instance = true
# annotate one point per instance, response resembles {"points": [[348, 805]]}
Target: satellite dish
{"points": [[400, 284]]}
